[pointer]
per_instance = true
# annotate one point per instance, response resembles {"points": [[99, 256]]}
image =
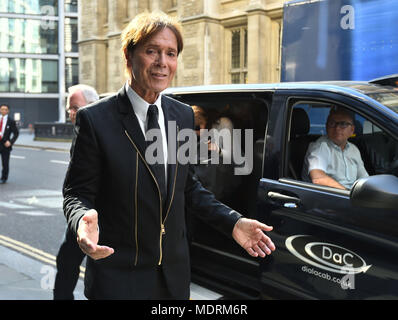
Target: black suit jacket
{"points": [[108, 172], [10, 133]]}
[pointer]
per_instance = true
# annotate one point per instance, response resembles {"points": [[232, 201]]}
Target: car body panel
{"points": [[327, 248]]}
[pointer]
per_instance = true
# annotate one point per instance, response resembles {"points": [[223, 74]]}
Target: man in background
{"points": [[70, 256], [8, 135], [79, 96]]}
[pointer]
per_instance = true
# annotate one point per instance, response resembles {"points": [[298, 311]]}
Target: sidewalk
{"points": [[25, 278], [26, 139], [22, 277]]}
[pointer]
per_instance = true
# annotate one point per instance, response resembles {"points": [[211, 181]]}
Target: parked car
{"points": [[331, 243]]}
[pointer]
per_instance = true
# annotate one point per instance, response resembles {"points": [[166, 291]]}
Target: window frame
{"points": [[294, 101], [242, 70]]}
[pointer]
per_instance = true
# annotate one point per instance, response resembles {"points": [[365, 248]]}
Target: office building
{"points": [[38, 57]]}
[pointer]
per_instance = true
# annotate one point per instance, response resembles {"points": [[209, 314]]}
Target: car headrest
{"points": [[358, 127], [300, 123]]}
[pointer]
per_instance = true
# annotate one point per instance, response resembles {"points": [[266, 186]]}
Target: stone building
{"points": [[225, 41]]}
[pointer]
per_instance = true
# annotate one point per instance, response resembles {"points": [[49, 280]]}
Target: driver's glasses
{"points": [[341, 124]]}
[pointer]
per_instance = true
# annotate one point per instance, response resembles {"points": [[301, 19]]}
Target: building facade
{"points": [[225, 41], [38, 57]]}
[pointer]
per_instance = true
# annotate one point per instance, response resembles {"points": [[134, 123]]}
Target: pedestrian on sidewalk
{"points": [[70, 257], [8, 135]]}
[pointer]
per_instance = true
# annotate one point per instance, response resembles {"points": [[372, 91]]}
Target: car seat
{"points": [[299, 141]]}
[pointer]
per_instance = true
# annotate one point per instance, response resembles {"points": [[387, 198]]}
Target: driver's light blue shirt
{"points": [[344, 166]]}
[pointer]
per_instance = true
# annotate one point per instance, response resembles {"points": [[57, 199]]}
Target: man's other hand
{"points": [[249, 235], [88, 235]]}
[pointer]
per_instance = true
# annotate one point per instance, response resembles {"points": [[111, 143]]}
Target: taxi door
{"points": [[327, 248]]}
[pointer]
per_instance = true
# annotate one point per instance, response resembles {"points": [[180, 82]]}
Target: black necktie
{"points": [[158, 168]]}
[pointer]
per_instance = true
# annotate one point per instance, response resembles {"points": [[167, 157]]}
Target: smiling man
{"points": [[128, 214], [332, 160]]}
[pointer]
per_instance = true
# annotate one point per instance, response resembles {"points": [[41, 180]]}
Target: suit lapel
{"points": [[6, 126], [130, 121], [7, 129], [170, 116]]}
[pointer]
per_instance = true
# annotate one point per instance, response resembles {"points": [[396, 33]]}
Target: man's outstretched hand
{"points": [[88, 235], [249, 235]]}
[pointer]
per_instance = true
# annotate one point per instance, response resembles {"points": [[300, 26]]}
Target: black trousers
{"points": [[160, 290], [69, 259], [5, 160]]}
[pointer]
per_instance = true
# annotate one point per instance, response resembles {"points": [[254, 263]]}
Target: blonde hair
{"points": [[145, 25]]}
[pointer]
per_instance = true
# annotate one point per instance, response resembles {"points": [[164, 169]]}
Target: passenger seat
{"points": [[299, 141]]}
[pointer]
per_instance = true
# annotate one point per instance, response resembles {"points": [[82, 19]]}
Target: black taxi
{"points": [[331, 243]]}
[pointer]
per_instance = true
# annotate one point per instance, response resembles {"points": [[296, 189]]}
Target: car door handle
{"points": [[289, 202]]}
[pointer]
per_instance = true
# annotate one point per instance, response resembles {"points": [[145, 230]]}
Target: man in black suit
{"points": [[8, 135], [127, 211], [70, 257]]}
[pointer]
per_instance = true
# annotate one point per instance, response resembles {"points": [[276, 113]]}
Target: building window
{"points": [[28, 36], [71, 6], [71, 72], [28, 75], [71, 35], [239, 55], [42, 7]]}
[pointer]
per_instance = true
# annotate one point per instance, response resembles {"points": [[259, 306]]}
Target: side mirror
{"points": [[379, 191]]}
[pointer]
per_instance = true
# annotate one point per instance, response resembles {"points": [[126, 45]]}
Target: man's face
{"points": [[4, 110], [339, 128], [153, 64], [76, 100]]}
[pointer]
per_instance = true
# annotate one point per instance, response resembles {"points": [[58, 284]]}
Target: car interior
{"points": [[299, 141], [245, 113], [378, 149]]}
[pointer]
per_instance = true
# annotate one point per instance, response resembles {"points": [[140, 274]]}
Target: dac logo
{"points": [[326, 256]]}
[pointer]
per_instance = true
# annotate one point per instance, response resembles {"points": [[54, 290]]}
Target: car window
{"points": [[307, 124], [378, 151], [317, 114], [234, 184]]}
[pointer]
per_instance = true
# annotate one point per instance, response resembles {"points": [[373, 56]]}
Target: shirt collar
{"points": [[331, 143], [140, 106]]}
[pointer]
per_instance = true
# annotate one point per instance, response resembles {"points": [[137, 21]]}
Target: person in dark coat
{"points": [[70, 257], [8, 135], [125, 196]]}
